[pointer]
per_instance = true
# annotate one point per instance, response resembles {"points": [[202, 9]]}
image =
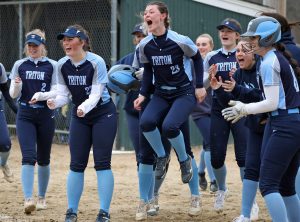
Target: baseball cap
{"points": [[72, 32], [231, 24], [35, 39], [138, 28]]}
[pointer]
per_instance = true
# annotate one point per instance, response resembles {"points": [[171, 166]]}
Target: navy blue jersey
{"points": [[225, 62], [275, 70], [80, 78], [169, 59], [37, 76]]}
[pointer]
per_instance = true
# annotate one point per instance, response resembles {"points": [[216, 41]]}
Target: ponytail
{"points": [[280, 47]]}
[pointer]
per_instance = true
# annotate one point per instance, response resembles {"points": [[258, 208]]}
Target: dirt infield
{"points": [[174, 196]]}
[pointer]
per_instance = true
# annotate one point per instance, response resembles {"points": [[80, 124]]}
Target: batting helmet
{"points": [[267, 28], [121, 79]]}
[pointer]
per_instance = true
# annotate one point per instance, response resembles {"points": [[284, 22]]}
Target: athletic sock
{"points": [[276, 207], [145, 178], [75, 183], [178, 144], [151, 189], [298, 183], [43, 179], [154, 138], [27, 178], [207, 158], [3, 158], [248, 196], [105, 181], [193, 184], [220, 175], [292, 206], [202, 163]]}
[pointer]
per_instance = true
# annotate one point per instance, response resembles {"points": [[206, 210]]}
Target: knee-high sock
{"points": [[298, 183], [154, 138], [202, 162], [43, 179], [220, 175], [27, 180], [145, 178], [105, 180], [193, 184], [207, 158], [242, 172], [151, 189], [276, 207], [248, 196], [292, 206], [3, 158], [178, 144], [75, 183]]}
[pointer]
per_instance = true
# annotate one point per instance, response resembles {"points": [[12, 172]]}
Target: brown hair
{"points": [[163, 8], [87, 43], [280, 47]]}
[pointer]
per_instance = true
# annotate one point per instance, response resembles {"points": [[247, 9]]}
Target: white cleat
{"points": [[254, 212], [195, 207], [221, 196]]}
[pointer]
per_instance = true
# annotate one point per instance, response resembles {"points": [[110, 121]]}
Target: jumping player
{"points": [[83, 76], [219, 63], [165, 56], [280, 147], [201, 117], [5, 143], [31, 81]]}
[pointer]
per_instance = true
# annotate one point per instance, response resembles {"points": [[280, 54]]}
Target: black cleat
{"points": [[162, 164], [70, 216], [202, 181], [186, 170], [103, 216]]}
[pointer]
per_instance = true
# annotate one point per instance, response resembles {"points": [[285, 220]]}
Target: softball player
{"points": [[83, 76], [244, 86], [165, 55], [288, 41], [220, 62], [31, 81], [280, 147], [201, 117], [5, 143]]}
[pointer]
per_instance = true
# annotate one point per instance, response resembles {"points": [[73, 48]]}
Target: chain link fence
{"points": [[19, 17]]}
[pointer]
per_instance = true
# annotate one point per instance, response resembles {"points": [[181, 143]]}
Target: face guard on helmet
{"points": [[266, 28], [121, 79]]}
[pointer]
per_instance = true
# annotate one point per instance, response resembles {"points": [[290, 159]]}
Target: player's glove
{"points": [[139, 74], [236, 112]]}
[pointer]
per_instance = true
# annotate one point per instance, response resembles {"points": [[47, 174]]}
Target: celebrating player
{"points": [[31, 81], [83, 76]]}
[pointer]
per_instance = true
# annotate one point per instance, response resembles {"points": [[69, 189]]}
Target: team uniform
{"points": [[166, 60], [247, 90], [35, 122], [279, 166], [220, 128], [97, 128], [5, 143], [287, 40]]}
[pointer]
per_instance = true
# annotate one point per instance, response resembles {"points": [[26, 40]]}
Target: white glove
{"points": [[139, 74], [236, 112]]}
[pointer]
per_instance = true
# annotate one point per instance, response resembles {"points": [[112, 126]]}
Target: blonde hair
{"points": [[206, 35], [40, 33]]}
